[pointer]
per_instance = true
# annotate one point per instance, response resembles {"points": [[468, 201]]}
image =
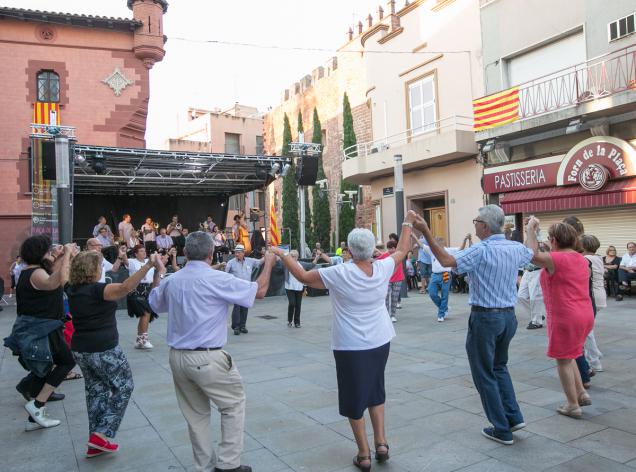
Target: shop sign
{"points": [[591, 164], [387, 191], [595, 161]]}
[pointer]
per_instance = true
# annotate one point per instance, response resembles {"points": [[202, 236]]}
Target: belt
{"points": [[202, 349], [532, 270], [490, 310]]}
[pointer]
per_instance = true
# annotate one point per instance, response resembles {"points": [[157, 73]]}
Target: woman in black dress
{"points": [[611, 262]]}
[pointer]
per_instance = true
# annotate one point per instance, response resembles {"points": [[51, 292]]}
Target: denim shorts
{"points": [[425, 270]]}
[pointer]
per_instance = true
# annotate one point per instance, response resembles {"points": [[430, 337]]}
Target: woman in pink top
{"points": [[570, 317], [395, 284]]}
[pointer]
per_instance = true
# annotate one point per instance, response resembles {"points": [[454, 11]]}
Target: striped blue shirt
{"points": [[493, 265]]}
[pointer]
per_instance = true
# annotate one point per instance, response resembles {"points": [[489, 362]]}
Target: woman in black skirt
{"points": [[361, 331], [137, 300]]}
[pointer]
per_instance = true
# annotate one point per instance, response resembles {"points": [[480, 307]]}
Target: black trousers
{"points": [[63, 363], [295, 298], [239, 317]]}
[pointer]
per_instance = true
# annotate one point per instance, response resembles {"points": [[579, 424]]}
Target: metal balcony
{"points": [[442, 141], [595, 79]]}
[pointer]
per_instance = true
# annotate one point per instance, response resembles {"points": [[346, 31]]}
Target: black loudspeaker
{"points": [[48, 160], [307, 170]]}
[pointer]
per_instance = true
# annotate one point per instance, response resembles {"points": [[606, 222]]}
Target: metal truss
{"points": [[128, 171]]}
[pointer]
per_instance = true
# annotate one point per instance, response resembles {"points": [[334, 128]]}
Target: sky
{"points": [[218, 75]]}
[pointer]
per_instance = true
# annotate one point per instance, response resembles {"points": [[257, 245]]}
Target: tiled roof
{"points": [[70, 19]]}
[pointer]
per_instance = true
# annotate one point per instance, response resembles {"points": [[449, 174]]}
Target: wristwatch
{"points": [[410, 225]]}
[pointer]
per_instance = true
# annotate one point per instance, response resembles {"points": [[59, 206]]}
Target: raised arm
{"points": [[444, 258], [541, 259], [40, 280], [263, 279], [113, 292], [467, 240], [404, 243], [310, 278], [323, 256]]}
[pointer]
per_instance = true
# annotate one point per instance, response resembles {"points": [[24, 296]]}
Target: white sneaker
{"points": [[597, 367], [440, 319], [394, 319], [398, 306], [40, 416], [143, 343], [31, 426]]}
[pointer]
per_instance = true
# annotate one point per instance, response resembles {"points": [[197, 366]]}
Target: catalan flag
{"points": [[45, 113], [497, 109], [274, 234]]}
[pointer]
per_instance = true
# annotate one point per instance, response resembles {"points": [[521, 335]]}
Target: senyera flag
{"points": [[496, 109], [274, 234]]}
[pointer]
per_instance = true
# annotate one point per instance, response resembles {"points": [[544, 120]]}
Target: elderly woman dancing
{"points": [[361, 331], [570, 316]]}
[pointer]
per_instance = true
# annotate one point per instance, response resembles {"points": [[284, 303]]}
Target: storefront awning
{"points": [[617, 192]]}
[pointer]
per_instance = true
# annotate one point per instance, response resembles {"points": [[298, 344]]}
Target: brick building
{"points": [[324, 89], [96, 69]]}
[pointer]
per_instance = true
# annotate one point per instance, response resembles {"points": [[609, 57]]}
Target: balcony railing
{"points": [[455, 122], [597, 78], [50, 131]]}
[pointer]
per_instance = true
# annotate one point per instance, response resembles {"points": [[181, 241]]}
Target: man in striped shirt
{"points": [[492, 265]]}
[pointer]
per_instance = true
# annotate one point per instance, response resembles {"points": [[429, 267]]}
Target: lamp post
{"points": [[399, 208], [63, 188]]}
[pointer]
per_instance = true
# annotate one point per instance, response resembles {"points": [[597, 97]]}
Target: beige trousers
{"points": [[201, 377]]}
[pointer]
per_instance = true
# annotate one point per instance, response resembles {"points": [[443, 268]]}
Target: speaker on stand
{"points": [[307, 170]]}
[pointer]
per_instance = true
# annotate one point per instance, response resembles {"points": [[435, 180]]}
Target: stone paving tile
{"points": [[440, 457], [590, 463], [563, 429], [535, 453], [609, 443], [434, 415]]}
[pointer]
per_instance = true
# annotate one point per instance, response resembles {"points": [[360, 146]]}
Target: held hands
{"points": [[411, 217], [533, 223], [275, 251], [69, 249], [270, 256]]}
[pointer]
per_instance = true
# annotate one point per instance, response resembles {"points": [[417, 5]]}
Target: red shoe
{"points": [[95, 442], [91, 452]]}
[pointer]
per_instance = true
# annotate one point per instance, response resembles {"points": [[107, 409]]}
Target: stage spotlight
{"points": [[99, 164], [274, 169], [80, 160], [285, 170]]}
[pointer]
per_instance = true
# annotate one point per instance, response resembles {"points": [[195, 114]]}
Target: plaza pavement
{"points": [[433, 418]]}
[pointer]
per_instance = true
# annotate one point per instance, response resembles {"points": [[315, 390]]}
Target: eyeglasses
{"points": [[475, 221]]}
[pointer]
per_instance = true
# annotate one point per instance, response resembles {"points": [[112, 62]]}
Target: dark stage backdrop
{"points": [[191, 211]]}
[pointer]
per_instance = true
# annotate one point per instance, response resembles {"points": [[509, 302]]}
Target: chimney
{"points": [[350, 34], [391, 6], [380, 13], [148, 38], [360, 27], [370, 20]]}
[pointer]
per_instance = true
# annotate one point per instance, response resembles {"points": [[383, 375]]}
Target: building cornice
{"points": [[414, 68], [372, 31], [391, 35], [409, 8]]}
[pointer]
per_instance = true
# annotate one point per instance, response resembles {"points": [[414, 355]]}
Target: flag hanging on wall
{"points": [[45, 113], [274, 234], [496, 109]]}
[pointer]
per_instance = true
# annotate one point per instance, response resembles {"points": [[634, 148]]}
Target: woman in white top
{"points": [[590, 245], [137, 300], [294, 290], [361, 331]]}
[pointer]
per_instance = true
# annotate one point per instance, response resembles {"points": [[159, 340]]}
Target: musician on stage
{"points": [[101, 223], [127, 232], [174, 231], [149, 234], [241, 234], [164, 241]]}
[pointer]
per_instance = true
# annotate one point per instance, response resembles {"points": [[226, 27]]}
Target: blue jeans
{"points": [[487, 341], [436, 287]]}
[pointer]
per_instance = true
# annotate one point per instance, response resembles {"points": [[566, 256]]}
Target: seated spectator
{"points": [[627, 269], [611, 262]]}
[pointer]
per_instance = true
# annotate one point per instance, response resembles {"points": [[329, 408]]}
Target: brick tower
{"points": [[149, 38]]}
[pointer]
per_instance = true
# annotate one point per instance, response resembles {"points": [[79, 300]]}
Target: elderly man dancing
{"points": [[492, 265], [196, 299]]}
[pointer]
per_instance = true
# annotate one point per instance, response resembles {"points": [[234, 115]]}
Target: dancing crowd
{"points": [[67, 307]]}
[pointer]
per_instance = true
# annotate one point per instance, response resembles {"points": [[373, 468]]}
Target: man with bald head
{"points": [[94, 244]]}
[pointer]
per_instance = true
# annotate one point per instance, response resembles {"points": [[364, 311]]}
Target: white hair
{"points": [[361, 243], [294, 253], [493, 217]]}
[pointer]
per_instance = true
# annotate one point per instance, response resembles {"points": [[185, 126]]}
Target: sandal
{"points": [[566, 410], [381, 456], [357, 462], [72, 375], [584, 399]]}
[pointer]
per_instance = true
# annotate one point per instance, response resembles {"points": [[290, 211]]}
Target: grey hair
{"points": [[199, 246], [493, 217], [361, 243], [293, 253]]}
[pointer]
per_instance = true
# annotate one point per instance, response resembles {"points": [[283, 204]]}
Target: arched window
{"points": [[48, 84]]}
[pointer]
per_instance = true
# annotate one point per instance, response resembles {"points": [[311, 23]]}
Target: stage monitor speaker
{"points": [[307, 170], [48, 160]]}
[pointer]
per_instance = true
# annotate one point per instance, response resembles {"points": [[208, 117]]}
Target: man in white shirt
{"points": [[196, 299], [627, 269], [93, 244], [127, 232], [241, 267], [149, 233]]}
